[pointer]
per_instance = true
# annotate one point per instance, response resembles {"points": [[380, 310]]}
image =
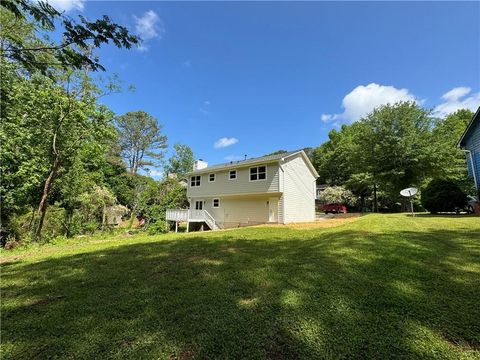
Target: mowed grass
{"points": [[384, 286]]}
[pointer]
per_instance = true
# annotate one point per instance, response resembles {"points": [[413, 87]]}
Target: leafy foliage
{"points": [[393, 147], [181, 162], [337, 195], [443, 196], [74, 51]]}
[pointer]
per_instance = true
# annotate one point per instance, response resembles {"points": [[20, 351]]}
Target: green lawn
{"points": [[383, 286]]}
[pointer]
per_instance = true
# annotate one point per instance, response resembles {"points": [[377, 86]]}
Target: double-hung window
{"points": [[211, 177], [216, 203], [195, 181], [232, 175], [258, 173]]}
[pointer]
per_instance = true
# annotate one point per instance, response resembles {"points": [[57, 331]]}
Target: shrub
{"points": [[443, 196], [337, 194]]}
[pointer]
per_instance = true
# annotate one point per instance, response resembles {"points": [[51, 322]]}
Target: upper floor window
{"points": [[232, 175], [258, 173], [195, 181], [211, 177]]}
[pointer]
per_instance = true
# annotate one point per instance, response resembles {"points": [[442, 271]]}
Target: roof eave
{"points": [[460, 142]]}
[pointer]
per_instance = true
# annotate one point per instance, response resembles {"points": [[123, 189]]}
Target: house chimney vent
{"points": [[199, 164]]}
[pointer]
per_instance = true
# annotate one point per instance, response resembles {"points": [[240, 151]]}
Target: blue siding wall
{"points": [[472, 143]]}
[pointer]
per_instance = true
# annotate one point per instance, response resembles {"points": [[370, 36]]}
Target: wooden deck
{"points": [[189, 215]]}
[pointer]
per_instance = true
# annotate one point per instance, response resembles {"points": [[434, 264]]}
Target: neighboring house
{"points": [[470, 143], [276, 188], [320, 188]]}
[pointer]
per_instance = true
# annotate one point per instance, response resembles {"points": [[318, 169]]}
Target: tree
{"points": [[396, 146], [141, 140], [74, 51], [450, 159], [181, 162]]}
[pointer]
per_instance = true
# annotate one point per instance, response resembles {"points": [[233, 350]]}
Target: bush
{"points": [[337, 195], [158, 227], [443, 196]]}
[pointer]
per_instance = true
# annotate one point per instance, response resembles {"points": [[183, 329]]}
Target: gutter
{"points": [[474, 171]]}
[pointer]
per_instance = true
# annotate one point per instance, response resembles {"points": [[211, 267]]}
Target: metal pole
{"points": [[411, 202]]}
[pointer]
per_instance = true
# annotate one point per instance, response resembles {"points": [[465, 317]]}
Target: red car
{"points": [[334, 209]]}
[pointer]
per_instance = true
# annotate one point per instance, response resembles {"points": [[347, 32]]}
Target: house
{"points": [[279, 188], [470, 143]]}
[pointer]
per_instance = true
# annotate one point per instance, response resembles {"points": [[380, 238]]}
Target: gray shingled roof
{"points": [[233, 164]]}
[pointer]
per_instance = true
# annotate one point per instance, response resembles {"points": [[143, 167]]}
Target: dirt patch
{"points": [[331, 221], [186, 354], [43, 302]]}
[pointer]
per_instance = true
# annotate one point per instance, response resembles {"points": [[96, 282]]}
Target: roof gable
{"points": [[469, 130]]}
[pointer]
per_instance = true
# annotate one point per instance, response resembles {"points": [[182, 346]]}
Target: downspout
{"points": [[283, 188], [474, 170]]}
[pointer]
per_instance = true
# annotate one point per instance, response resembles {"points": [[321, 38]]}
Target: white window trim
{"points": [[214, 177], [195, 204], [236, 174], [190, 181], [253, 167], [213, 203]]}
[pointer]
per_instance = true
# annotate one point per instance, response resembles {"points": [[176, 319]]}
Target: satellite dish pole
{"points": [[409, 192]]}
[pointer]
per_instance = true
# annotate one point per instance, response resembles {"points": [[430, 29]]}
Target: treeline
{"points": [[65, 157], [392, 148]]}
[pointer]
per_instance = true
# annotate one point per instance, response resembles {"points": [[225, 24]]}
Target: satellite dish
{"points": [[409, 191]]}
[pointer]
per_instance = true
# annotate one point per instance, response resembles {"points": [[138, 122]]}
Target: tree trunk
{"points": [[42, 207], [375, 202]]}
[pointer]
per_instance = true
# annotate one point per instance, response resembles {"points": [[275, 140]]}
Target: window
{"points": [[195, 181], [232, 175], [216, 203], [258, 173], [211, 177]]}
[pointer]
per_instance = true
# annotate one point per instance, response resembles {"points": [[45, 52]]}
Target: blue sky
{"points": [[235, 78]]}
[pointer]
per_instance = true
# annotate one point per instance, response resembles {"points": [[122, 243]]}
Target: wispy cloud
{"points": [[67, 5], [363, 99], [225, 142], [205, 108], [456, 99], [187, 63], [148, 26]]}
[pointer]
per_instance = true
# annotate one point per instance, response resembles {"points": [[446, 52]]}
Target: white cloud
{"points": [[67, 5], [224, 142], [363, 99], [456, 99], [148, 26]]}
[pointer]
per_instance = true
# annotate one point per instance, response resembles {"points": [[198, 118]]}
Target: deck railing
{"points": [[191, 215]]}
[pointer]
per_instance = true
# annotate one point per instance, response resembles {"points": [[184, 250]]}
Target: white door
{"points": [[273, 210]]}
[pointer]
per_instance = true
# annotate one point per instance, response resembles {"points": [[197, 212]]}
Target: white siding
{"points": [[298, 191], [238, 210], [242, 185]]}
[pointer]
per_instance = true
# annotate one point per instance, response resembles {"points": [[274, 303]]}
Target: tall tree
{"points": [[450, 159], [181, 162], [141, 140], [397, 146]]}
